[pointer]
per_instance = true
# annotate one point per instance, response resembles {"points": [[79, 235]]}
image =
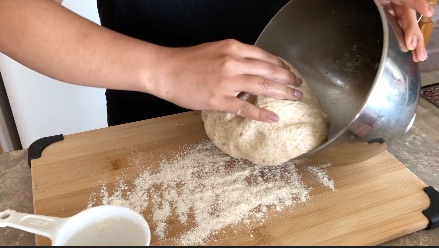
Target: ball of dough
{"points": [[302, 127]]}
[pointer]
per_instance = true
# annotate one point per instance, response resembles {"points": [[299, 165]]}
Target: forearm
{"points": [[54, 41]]}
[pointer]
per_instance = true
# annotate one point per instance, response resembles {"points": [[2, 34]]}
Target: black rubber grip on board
{"points": [[432, 212], [37, 147]]}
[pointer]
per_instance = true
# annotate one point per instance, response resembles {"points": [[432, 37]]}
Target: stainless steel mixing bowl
{"points": [[348, 51]]}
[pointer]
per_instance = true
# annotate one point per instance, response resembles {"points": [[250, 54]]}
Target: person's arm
{"points": [[54, 41], [50, 39]]}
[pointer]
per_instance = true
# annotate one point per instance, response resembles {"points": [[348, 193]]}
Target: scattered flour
{"points": [[207, 190], [321, 175]]}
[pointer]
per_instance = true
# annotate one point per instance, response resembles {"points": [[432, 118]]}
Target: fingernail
{"points": [[298, 81], [273, 117], [425, 53], [414, 42], [286, 66], [298, 94]]}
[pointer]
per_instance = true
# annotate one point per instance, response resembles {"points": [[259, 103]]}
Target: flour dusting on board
{"points": [[206, 190], [321, 175]]}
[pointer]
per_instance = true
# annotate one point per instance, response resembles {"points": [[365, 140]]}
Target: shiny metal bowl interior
{"points": [[349, 53]]}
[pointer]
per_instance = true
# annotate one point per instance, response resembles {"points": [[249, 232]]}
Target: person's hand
{"points": [[404, 11], [209, 76]]}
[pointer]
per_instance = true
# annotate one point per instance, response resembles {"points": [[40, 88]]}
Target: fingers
{"points": [[250, 111], [261, 73], [267, 70], [421, 6], [256, 61], [256, 53], [225, 68], [420, 53], [260, 86], [256, 85], [414, 39], [264, 74]]}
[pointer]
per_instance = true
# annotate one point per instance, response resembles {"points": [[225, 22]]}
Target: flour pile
{"points": [[206, 190]]}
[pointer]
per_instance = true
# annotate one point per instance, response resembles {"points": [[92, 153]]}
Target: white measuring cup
{"points": [[105, 225]]}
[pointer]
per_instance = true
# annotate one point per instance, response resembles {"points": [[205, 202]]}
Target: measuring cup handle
{"points": [[37, 224]]}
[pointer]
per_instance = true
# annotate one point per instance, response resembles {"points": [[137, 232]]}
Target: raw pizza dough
{"points": [[302, 127]]}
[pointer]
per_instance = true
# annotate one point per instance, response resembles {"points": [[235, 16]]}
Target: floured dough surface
{"points": [[302, 127]]}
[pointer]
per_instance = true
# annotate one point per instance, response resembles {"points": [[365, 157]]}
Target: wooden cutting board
{"points": [[375, 201]]}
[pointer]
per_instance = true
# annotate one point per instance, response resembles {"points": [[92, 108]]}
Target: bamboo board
{"points": [[375, 201]]}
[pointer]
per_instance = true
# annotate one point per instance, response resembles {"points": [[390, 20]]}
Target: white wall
{"points": [[43, 106]]}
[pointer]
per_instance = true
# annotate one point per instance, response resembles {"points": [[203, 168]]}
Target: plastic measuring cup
{"points": [[105, 225]]}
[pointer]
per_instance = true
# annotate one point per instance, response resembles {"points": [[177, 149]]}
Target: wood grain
{"points": [[375, 201], [427, 25]]}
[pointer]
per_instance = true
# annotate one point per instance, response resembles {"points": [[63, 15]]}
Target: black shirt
{"points": [[178, 23]]}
